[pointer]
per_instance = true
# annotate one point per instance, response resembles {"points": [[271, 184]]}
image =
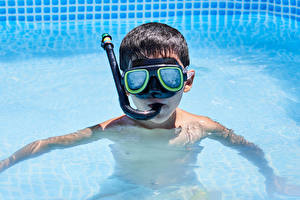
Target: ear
{"points": [[189, 82]]}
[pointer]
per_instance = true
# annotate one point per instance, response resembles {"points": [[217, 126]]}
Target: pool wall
{"points": [[77, 10]]}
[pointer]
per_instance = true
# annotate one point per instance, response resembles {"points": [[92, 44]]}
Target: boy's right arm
{"points": [[42, 146]]}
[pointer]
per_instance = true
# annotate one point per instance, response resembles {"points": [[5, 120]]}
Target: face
{"points": [[169, 105]]}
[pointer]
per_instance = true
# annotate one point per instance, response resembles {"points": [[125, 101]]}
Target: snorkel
{"points": [[107, 45]]}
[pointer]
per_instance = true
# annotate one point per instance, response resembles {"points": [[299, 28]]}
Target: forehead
{"points": [[152, 62], [166, 54]]}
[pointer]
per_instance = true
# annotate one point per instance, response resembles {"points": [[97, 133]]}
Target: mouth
{"points": [[156, 105]]}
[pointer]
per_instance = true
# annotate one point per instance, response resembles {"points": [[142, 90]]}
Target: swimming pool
{"points": [[54, 79]]}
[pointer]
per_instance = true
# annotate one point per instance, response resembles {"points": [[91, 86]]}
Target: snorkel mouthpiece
{"points": [[107, 45]]}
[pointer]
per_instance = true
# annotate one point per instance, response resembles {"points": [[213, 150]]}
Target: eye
{"points": [[136, 79], [171, 77]]}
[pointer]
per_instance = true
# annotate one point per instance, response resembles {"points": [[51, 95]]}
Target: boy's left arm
{"points": [[254, 154]]}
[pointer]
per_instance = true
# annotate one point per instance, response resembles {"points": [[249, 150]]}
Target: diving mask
{"points": [[154, 78]]}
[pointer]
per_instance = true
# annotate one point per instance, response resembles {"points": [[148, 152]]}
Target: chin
{"points": [[158, 120], [161, 117], [167, 109]]}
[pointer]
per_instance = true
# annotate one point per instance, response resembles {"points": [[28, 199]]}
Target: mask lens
{"points": [[171, 78], [136, 80]]}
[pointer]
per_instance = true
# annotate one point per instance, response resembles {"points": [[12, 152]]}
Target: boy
{"points": [[159, 152]]}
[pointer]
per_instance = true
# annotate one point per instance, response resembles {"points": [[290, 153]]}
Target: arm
{"points": [[255, 155], [43, 146], [204, 127], [247, 149]]}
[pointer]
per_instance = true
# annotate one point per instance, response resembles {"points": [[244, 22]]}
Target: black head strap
{"points": [[154, 61]]}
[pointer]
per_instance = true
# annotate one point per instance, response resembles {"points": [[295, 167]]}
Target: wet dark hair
{"points": [[153, 39]]}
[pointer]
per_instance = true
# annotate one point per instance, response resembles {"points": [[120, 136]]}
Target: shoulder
{"points": [[117, 122], [205, 122], [187, 117]]}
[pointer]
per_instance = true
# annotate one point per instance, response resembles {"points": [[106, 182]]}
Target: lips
{"points": [[156, 105]]}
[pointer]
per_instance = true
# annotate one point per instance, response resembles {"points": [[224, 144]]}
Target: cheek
{"points": [[175, 100], [172, 103], [139, 103]]}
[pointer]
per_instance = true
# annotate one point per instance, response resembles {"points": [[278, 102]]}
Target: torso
{"points": [[150, 157], [146, 158]]}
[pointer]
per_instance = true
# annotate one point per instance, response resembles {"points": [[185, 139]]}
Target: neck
{"points": [[170, 123]]}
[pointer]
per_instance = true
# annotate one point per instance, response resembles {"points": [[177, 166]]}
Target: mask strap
{"points": [[155, 61], [189, 74]]}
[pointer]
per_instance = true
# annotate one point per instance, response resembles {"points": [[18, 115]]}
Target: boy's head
{"points": [[152, 41]]}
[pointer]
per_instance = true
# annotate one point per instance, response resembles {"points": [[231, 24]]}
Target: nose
{"points": [[154, 84], [154, 88]]}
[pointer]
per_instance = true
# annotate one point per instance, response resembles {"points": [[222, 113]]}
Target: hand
{"points": [[279, 185], [31, 150], [4, 164]]}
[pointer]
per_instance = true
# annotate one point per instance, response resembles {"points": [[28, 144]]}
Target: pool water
{"points": [[55, 79]]}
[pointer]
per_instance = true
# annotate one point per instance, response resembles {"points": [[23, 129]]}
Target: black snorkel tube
{"points": [[107, 45]]}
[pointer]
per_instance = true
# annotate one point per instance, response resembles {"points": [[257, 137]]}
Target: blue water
{"points": [[55, 79]]}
